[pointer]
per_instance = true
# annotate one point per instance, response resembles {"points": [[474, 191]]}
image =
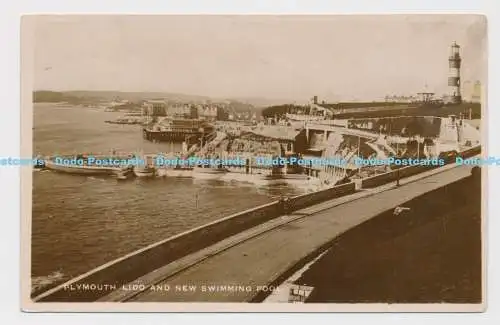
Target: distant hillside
{"points": [[239, 107], [138, 96], [89, 96], [349, 105], [55, 97], [278, 110], [92, 97], [261, 103], [418, 111], [134, 96], [347, 110]]}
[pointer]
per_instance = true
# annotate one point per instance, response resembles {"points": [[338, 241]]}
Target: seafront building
{"points": [[160, 107]]}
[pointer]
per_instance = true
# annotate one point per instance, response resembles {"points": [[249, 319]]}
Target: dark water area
{"points": [[81, 222]]}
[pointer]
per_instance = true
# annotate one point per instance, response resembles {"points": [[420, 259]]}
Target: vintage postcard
{"points": [[266, 163]]}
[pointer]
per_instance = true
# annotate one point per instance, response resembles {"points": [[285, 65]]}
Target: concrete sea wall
{"points": [[306, 200], [392, 176]]}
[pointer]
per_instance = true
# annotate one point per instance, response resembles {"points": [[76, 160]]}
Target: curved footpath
{"points": [[238, 268], [429, 253]]}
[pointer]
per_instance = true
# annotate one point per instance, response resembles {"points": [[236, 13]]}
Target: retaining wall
{"points": [[378, 180], [392, 176], [306, 200], [141, 262], [471, 152]]}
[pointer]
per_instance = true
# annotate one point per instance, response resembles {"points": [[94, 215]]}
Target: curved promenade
{"points": [[238, 268]]}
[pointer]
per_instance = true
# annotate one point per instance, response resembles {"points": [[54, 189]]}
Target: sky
{"points": [[347, 57]]}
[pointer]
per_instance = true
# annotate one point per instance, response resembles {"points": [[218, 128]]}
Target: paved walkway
{"points": [[235, 269]]}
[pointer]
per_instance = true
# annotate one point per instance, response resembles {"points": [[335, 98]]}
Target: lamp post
{"points": [[359, 147], [418, 147]]}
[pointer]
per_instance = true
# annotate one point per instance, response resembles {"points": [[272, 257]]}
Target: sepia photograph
{"points": [[253, 162]]}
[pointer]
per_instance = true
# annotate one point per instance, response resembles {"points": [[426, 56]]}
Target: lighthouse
{"points": [[454, 75]]}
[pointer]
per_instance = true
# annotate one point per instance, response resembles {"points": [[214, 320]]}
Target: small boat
{"points": [[78, 165], [123, 175], [144, 171], [123, 122], [147, 166]]}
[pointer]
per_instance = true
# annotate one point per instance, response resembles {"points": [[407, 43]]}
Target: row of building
{"points": [[204, 111], [471, 93], [193, 111]]}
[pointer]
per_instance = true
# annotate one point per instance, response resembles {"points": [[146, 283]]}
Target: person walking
{"points": [[284, 205]]}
